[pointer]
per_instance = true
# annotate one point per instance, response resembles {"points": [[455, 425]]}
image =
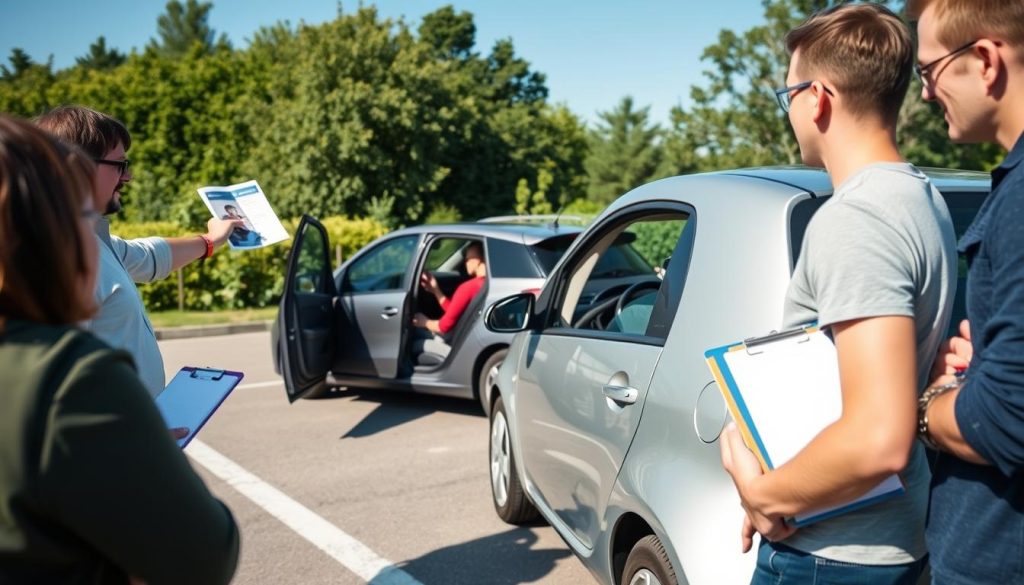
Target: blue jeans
{"points": [[778, 564]]}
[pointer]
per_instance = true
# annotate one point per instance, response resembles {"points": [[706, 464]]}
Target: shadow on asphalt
{"points": [[397, 408], [499, 559]]}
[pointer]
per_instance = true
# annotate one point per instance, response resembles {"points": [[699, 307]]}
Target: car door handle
{"points": [[620, 394], [388, 312]]}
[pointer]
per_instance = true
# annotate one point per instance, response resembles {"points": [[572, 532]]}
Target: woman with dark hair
{"points": [[92, 487]]}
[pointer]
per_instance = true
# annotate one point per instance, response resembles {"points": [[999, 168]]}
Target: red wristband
{"points": [[209, 247]]}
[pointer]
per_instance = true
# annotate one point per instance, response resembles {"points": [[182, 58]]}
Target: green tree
{"points": [[100, 57], [734, 119], [183, 25], [451, 35], [24, 86], [624, 151]]}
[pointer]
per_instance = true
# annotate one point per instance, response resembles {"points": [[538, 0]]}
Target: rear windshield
{"points": [[620, 260]]}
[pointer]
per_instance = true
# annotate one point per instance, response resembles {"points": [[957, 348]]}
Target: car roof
{"points": [[816, 180], [516, 232]]}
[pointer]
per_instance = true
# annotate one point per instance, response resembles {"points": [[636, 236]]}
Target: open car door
{"points": [[306, 320]]}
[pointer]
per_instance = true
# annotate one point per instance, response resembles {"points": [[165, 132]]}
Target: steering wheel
{"points": [[634, 291], [591, 317]]}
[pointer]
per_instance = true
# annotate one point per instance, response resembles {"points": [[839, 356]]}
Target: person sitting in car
{"points": [[431, 333]]}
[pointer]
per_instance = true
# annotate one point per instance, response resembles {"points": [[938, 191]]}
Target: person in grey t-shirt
{"points": [[878, 270]]}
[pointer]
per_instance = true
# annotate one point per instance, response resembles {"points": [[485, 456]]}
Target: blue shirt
{"points": [[976, 518]]}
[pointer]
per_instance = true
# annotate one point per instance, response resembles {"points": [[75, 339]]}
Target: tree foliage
{"points": [[625, 151], [182, 26], [100, 57]]}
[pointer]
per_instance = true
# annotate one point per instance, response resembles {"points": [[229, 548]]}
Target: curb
{"points": [[210, 330]]}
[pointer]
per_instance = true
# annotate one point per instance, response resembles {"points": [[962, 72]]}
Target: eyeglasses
{"points": [[924, 71], [785, 94], [122, 165]]}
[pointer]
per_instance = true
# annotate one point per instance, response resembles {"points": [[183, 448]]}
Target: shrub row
{"points": [[239, 279]]}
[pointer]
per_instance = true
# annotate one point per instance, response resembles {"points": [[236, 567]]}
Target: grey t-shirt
{"points": [[883, 245]]}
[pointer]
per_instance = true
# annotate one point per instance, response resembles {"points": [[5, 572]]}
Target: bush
{"points": [[239, 279]]}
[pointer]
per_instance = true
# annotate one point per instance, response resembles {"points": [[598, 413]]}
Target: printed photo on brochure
{"points": [[247, 202]]}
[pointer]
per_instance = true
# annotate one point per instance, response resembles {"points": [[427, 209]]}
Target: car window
{"points": [[506, 259], [310, 269], [616, 283], [382, 268], [962, 208], [445, 254]]}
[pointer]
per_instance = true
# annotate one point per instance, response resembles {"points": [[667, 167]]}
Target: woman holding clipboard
{"points": [[93, 489]]}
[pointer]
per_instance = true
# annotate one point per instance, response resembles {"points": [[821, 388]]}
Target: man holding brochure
{"points": [[121, 320], [878, 270]]}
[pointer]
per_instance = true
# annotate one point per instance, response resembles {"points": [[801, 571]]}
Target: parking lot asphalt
{"points": [[358, 487]]}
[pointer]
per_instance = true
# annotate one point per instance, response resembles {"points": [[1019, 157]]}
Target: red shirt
{"points": [[455, 306]]}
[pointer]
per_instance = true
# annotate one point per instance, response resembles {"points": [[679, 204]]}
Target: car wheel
{"points": [[648, 564], [489, 377], [510, 501]]}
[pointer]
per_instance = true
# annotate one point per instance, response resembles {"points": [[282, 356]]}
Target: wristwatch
{"points": [[924, 402]]}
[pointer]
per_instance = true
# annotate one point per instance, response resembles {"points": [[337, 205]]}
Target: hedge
{"points": [[239, 279]]}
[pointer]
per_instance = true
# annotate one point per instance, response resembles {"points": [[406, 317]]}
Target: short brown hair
{"points": [[44, 184], [963, 21], [866, 51], [94, 132]]}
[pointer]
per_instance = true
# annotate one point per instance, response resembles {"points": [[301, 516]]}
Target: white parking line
{"points": [[260, 384], [348, 551]]}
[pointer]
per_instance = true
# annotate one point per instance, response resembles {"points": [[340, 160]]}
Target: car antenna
{"points": [[554, 223]]}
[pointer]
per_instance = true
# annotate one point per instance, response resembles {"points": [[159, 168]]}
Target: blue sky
{"points": [[593, 52]]}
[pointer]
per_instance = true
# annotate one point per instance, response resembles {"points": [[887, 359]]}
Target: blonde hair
{"points": [[963, 21], [864, 49]]}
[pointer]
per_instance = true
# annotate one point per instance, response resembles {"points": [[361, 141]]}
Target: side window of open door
{"points": [[306, 321]]}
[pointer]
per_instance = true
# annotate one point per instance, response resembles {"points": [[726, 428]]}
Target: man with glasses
{"points": [[878, 270], [973, 55], [121, 319]]}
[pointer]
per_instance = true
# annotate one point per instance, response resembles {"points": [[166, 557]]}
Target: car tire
{"points": [[488, 377], [510, 501], [648, 564]]}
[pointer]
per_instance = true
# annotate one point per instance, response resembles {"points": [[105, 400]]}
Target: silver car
{"points": [[352, 327], [605, 417]]}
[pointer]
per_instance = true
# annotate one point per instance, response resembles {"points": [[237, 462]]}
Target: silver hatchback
{"points": [[605, 417]]}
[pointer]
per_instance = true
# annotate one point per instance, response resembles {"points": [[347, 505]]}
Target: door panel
{"points": [[306, 321], [372, 308], [573, 434]]}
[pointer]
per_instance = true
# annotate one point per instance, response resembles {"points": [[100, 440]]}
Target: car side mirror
{"points": [[510, 314]]}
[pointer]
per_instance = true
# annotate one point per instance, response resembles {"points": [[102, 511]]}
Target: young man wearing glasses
{"points": [[973, 56], [121, 319], [878, 269]]}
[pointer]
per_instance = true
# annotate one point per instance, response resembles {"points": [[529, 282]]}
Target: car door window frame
{"points": [[344, 285], [669, 293]]}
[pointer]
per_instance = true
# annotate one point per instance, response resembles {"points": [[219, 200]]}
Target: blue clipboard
{"points": [[192, 397]]}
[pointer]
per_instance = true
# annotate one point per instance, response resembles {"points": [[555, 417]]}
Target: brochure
{"points": [[247, 202]]}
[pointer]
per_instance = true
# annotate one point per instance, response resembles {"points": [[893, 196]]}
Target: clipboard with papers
{"points": [[782, 390], [192, 396]]}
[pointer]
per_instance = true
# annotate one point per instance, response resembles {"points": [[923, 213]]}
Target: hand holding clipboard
{"points": [[192, 397]]}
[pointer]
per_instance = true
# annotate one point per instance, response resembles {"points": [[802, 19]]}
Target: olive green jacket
{"points": [[92, 486]]}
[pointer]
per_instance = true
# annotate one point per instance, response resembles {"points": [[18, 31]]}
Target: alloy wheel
{"points": [[500, 458], [644, 577]]}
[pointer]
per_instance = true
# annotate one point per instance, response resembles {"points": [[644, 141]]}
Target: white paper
{"points": [[247, 202], [791, 391]]}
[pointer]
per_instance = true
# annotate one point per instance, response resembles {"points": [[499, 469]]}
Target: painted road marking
{"points": [[260, 384], [348, 551]]}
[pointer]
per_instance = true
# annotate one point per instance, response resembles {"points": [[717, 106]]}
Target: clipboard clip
{"points": [[755, 345], [207, 374]]}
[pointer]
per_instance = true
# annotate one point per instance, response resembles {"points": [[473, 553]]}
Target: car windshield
{"points": [[620, 260]]}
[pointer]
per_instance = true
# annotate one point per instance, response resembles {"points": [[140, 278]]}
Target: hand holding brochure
{"points": [[782, 390], [245, 201]]}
